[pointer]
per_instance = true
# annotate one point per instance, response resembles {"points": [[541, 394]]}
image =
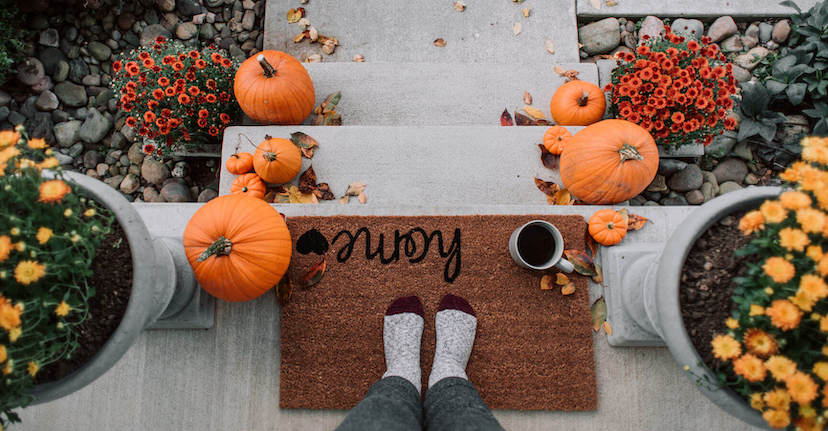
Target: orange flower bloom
{"points": [[773, 212], [780, 367], [813, 286], [178, 66], [183, 99], [779, 269], [760, 343], [158, 93], [784, 315], [777, 418], [801, 387], [9, 314], [149, 117], [812, 220], [795, 200], [777, 399], [793, 239], [53, 191], [677, 117], [750, 367]]}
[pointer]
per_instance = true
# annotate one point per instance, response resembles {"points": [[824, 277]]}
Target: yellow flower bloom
{"points": [[8, 137], [821, 370], [37, 143], [43, 235], [731, 323], [756, 401], [8, 154], [49, 163], [32, 368], [795, 200], [756, 310], [14, 334], [779, 269], [15, 231], [811, 179], [815, 154], [822, 198], [752, 222], [813, 286], [814, 252], [784, 315], [823, 326], [725, 347], [773, 212], [20, 246], [760, 343], [768, 290], [777, 418], [811, 220], [793, 239], [68, 212], [75, 238], [777, 399], [750, 367], [822, 266], [801, 387], [29, 271], [53, 191], [62, 309], [9, 314], [89, 213], [806, 411], [5, 247], [9, 365], [2, 353], [803, 301]]}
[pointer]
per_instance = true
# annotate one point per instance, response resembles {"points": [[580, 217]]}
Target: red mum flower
{"points": [[148, 63], [211, 98], [160, 122], [160, 40], [163, 81], [224, 118], [169, 91], [203, 113], [200, 64], [143, 55], [190, 76], [182, 57], [175, 122], [132, 71], [643, 50], [211, 84], [131, 121], [730, 123], [183, 99], [194, 54], [213, 131], [706, 40], [142, 131], [224, 97], [193, 90], [168, 59], [149, 148], [152, 104], [226, 63], [202, 123], [117, 66], [158, 94], [177, 66], [149, 117], [677, 117], [216, 57]]}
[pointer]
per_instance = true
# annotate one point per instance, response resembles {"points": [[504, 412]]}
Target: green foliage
{"points": [[757, 119], [11, 43]]}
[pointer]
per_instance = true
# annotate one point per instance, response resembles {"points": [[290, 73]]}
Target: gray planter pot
{"points": [[666, 317], [156, 289]]}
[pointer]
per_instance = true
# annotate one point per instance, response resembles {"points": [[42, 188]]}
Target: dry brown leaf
{"points": [[599, 274], [598, 310], [439, 42], [550, 46], [359, 58], [328, 47], [561, 279], [314, 275], [307, 181], [611, 3], [534, 112], [549, 160], [363, 199], [526, 12], [568, 289], [527, 98], [344, 199], [300, 37], [297, 197], [563, 197], [354, 189], [313, 34], [546, 282], [524, 120], [459, 6], [294, 15], [313, 58], [506, 118], [607, 327], [559, 70], [595, 4], [636, 222], [284, 290], [303, 23], [517, 28], [547, 187], [303, 1]]}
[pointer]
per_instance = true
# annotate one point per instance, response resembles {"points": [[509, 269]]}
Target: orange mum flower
{"points": [[793, 239], [779, 269], [53, 191], [784, 315], [752, 222], [5, 247], [760, 343], [183, 99], [811, 220], [822, 266], [677, 117], [750, 367], [813, 286], [9, 314], [801, 387], [777, 418], [726, 347], [773, 211], [777, 399]]}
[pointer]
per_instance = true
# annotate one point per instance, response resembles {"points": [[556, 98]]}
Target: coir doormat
{"points": [[533, 349]]}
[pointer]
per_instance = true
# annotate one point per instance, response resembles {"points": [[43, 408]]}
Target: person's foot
{"points": [[455, 326], [402, 334]]}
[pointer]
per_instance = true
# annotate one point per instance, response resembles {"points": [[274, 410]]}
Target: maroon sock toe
{"points": [[406, 304], [452, 302]]}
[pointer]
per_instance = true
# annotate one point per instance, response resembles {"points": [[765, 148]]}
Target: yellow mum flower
{"points": [[821, 370], [803, 301], [814, 252], [815, 154], [14, 334], [793, 239], [784, 315], [29, 271], [823, 326], [68, 212], [20, 246], [777, 418], [756, 310], [811, 220], [768, 290], [37, 143], [5, 247], [62, 309], [756, 401], [89, 213], [751, 222], [32, 368], [9, 367], [2, 353], [779, 269], [801, 387], [813, 286], [811, 179], [825, 351], [43, 235], [750, 367], [49, 163], [53, 191], [760, 343], [9, 314], [777, 399], [731, 323], [8, 137], [822, 266], [795, 200], [8, 154], [773, 212], [725, 347]]}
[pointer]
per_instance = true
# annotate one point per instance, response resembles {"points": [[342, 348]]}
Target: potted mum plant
{"points": [[80, 276], [677, 89]]}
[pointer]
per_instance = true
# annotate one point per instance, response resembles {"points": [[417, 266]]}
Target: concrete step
{"points": [[412, 94], [695, 9], [403, 31]]}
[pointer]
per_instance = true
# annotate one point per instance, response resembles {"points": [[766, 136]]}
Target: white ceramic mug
{"points": [[555, 260]]}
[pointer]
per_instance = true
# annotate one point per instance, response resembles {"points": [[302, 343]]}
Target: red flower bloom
{"points": [[144, 55], [200, 64], [194, 54], [166, 112], [224, 118], [149, 117], [202, 123], [730, 123], [132, 70], [163, 81], [160, 40], [158, 94], [224, 97], [149, 63], [131, 121], [211, 84], [183, 99], [152, 104], [177, 66], [203, 113], [117, 66], [211, 98], [677, 117], [216, 57], [149, 149], [168, 59], [193, 90], [169, 91], [643, 50], [226, 63]]}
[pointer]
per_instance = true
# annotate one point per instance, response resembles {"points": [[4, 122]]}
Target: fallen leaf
{"points": [[563, 197], [526, 12], [328, 47], [294, 15], [599, 274], [284, 290], [559, 70], [636, 222], [581, 261], [549, 160], [546, 282], [561, 279], [517, 28], [303, 1], [279, 195], [314, 275], [534, 112], [363, 199], [307, 181], [607, 327], [569, 74], [329, 104], [313, 58], [517, 1], [359, 58], [595, 3], [527, 98], [344, 199], [325, 39], [550, 46], [568, 289], [305, 143], [439, 42], [354, 189], [524, 120], [599, 313], [332, 119], [591, 244], [323, 192], [313, 34], [611, 3], [547, 187], [506, 119], [459, 6], [300, 37], [297, 197], [303, 23]]}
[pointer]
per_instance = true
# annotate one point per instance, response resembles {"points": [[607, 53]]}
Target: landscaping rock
{"points": [[742, 150], [207, 195], [721, 28], [688, 27], [64, 159], [751, 179], [30, 71], [91, 159], [751, 59], [689, 178], [125, 21], [4, 113], [765, 32], [730, 170], [751, 37], [694, 197], [732, 44], [248, 20], [99, 51], [47, 101], [166, 5], [659, 184], [95, 127], [135, 154], [188, 7], [75, 150], [180, 170], [40, 126], [741, 74], [707, 191], [114, 181], [151, 195], [728, 187], [668, 167], [5, 98], [49, 58], [175, 191], [674, 200], [61, 71], [600, 36], [43, 85], [130, 184], [186, 30], [150, 32], [652, 27], [66, 134], [781, 30], [16, 118], [721, 146], [154, 171], [77, 70], [101, 169], [49, 37], [207, 32]]}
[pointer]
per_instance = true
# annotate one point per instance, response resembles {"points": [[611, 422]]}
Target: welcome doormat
{"points": [[533, 349]]}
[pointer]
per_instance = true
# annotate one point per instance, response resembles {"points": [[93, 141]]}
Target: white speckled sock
{"points": [[456, 325], [402, 335]]}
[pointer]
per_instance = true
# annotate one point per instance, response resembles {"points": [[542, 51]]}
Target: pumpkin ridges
{"points": [[269, 100]]}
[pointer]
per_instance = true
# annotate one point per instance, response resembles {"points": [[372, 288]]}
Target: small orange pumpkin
{"points": [[250, 185], [277, 160], [609, 162], [239, 163], [554, 138], [274, 88], [239, 247], [607, 227], [577, 103]]}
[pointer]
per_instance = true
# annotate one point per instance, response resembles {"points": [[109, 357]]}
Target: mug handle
{"points": [[564, 265]]}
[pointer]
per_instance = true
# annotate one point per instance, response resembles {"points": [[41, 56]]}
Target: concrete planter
{"points": [[161, 285], [664, 295]]}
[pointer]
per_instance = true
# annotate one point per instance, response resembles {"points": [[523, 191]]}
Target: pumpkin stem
{"points": [[219, 247], [610, 225], [244, 189], [628, 152], [269, 71], [269, 156], [582, 101]]}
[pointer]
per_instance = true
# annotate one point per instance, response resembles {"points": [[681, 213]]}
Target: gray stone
{"points": [[659, 184], [114, 181], [248, 20], [102, 99], [688, 28], [600, 36], [77, 70], [765, 31], [95, 127], [781, 30], [721, 28], [100, 51], [721, 146], [130, 183], [125, 21], [101, 169], [707, 191], [730, 170], [4, 113], [70, 34], [214, 3], [751, 59], [186, 30], [91, 159], [150, 32], [47, 101], [207, 32], [150, 194], [91, 80], [751, 179], [668, 167], [772, 45], [28, 109], [751, 37], [732, 44], [64, 159], [694, 197], [166, 5], [5, 98], [674, 200], [40, 126], [741, 74], [743, 151], [61, 71], [16, 118], [728, 187], [70, 94], [180, 170], [689, 178], [175, 191], [135, 154], [188, 7], [49, 58], [49, 37], [30, 71], [44, 85], [154, 171], [59, 116], [207, 195], [75, 150], [236, 52]]}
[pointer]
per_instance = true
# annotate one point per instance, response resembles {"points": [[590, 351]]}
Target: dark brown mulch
{"points": [[707, 282], [202, 174], [112, 281]]}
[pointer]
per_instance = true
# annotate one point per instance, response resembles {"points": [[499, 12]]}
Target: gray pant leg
{"points": [[392, 403], [454, 404]]}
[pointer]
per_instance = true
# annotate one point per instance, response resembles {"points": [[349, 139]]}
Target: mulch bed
{"points": [[533, 349], [707, 283], [112, 281]]}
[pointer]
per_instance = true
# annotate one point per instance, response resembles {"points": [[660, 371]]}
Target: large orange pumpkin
{"points": [[554, 138], [250, 185], [609, 162], [274, 88], [577, 103], [277, 160], [239, 247]]}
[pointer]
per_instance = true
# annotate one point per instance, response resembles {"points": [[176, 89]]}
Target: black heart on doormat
{"points": [[312, 241]]}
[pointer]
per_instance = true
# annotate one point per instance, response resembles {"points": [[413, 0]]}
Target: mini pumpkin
{"points": [[239, 163], [274, 88], [554, 138], [250, 185], [238, 247], [607, 227], [277, 160], [609, 162], [577, 103]]}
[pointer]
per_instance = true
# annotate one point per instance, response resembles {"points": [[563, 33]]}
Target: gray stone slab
{"points": [[422, 94], [695, 8], [403, 31]]}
